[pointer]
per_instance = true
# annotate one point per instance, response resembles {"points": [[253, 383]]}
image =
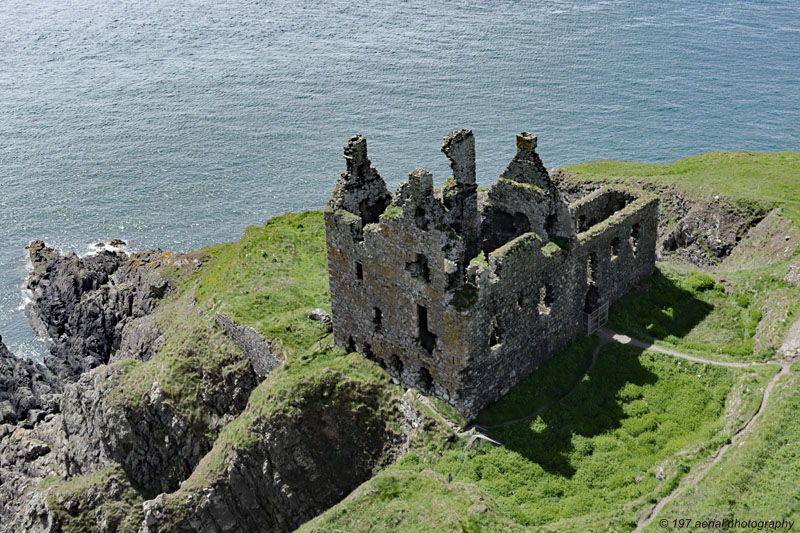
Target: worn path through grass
{"points": [[695, 476], [691, 479], [611, 335], [606, 336]]}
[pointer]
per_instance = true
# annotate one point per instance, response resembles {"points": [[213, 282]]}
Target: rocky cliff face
{"points": [[28, 390], [88, 307], [156, 446], [83, 304], [93, 309], [165, 442], [26, 458], [289, 463]]}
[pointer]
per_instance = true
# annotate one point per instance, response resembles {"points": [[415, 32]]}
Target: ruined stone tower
{"points": [[462, 293]]}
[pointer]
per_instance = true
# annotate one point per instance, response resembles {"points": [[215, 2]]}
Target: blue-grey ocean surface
{"points": [[177, 124]]}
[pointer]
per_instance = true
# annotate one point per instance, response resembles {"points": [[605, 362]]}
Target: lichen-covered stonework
{"points": [[462, 294]]}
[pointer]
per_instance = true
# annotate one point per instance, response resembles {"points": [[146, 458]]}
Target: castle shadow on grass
{"points": [[594, 406], [592, 409], [662, 308]]}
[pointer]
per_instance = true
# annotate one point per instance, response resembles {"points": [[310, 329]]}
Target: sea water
{"points": [[177, 124]]}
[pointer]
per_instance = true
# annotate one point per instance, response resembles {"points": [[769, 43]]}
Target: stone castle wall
{"points": [[462, 294]]}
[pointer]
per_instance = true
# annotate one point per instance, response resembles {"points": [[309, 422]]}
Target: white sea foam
{"points": [[35, 349], [94, 249]]}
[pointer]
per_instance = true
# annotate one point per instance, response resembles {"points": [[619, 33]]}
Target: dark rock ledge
{"points": [[95, 310], [88, 305]]}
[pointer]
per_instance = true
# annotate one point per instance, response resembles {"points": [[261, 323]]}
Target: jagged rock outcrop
{"points": [[708, 231], [28, 390], [26, 458], [106, 502], [139, 340], [295, 461], [89, 307], [96, 310], [156, 445], [84, 303]]}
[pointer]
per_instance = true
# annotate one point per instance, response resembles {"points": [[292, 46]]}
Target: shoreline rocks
{"points": [[28, 390], [83, 304]]}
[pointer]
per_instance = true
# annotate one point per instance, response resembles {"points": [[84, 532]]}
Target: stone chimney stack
{"points": [[460, 195], [459, 147], [526, 166], [355, 154], [360, 189]]}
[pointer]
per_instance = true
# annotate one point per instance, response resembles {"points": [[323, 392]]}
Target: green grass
{"points": [[269, 279], [766, 177], [479, 260], [591, 461], [319, 383], [413, 502], [286, 393], [636, 415], [756, 480], [700, 314], [105, 495]]}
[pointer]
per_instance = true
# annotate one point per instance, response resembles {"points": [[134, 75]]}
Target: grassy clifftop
{"points": [[637, 423], [768, 177], [622, 437], [269, 280]]}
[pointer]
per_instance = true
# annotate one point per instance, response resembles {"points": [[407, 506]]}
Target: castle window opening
{"points": [[419, 268], [359, 270], [614, 248], [377, 318], [426, 338], [635, 238], [420, 218], [591, 269], [496, 332], [425, 379], [368, 353], [545, 299], [550, 225]]}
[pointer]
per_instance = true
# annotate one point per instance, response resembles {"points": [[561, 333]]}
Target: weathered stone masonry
{"points": [[463, 293]]}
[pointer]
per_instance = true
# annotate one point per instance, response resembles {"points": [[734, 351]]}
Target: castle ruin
{"points": [[463, 292]]}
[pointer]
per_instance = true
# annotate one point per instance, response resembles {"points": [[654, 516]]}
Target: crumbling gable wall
{"points": [[523, 200], [389, 288], [410, 290], [360, 190]]}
